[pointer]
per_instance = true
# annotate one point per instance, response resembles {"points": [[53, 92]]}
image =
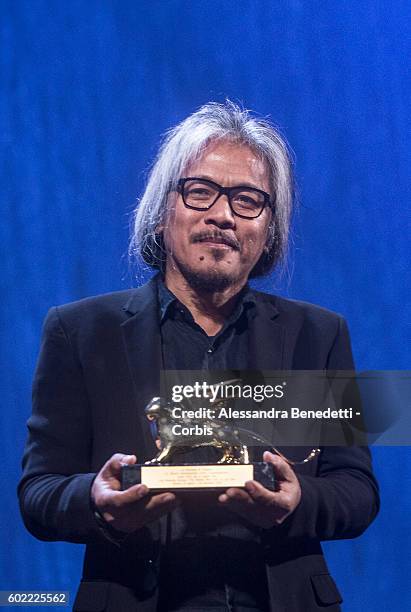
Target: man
{"points": [[215, 213]]}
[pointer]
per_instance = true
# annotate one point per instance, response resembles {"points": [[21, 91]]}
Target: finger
{"points": [[282, 470], [240, 494], [263, 497], [111, 498], [131, 516], [245, 507], [234, 494], [113, 466], [242, 504], [159, 505], [141, 494], [134, 493], [128, 460], [161, 500], [260, 494]]}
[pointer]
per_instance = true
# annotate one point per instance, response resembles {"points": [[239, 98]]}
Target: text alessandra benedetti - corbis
{"points": [[272, 413]]}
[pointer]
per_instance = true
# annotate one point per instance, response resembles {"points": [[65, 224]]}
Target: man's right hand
{"points": [[130, 509]]}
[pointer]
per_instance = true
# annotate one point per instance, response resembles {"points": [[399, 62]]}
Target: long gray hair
{"points": [[185, 143]]}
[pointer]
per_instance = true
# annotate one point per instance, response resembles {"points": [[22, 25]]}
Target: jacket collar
{"points": [[142, 298], [141, 336], [267, 334]]}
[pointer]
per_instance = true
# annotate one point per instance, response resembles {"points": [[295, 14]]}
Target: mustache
{"points": [[216, 236]]}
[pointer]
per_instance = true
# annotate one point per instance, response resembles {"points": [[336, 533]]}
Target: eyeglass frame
{"points": [[224, 191]]}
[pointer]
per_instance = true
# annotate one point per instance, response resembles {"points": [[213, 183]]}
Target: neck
{"points": [[210, 309]]}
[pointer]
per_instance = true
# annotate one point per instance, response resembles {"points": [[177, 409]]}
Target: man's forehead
{"points": [[228, 156]]}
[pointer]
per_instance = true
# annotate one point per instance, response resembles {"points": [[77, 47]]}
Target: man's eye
{"points": [[246, 201], [198, 192]]}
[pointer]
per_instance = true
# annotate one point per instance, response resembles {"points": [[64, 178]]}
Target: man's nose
{"points": [[220, 213]]}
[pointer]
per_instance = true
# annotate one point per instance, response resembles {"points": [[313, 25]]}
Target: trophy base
{"points": [[200, 476]]}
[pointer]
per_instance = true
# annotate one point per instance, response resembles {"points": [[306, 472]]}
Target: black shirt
{"points": [[186, 345], [213, 559]]}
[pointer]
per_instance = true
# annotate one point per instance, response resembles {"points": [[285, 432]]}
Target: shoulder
{"points": [[317, 338], [106, 302], [299, 311], [103, 309]]}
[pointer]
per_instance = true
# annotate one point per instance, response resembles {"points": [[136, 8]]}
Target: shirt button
{"points": [[210, 350]]}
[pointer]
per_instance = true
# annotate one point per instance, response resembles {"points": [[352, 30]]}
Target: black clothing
{"points": [[218, 557], [98, 367], [185, 344]]}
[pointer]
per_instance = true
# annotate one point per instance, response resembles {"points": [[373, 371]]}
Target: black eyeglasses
{"points": [[201, 194]]}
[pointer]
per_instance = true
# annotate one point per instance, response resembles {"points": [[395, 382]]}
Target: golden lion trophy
{"points": [[175, 435]]}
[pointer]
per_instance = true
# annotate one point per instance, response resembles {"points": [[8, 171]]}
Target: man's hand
{"points": [[260, 506], [130, 509]]}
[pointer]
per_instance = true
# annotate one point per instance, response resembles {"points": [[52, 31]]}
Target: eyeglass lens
{"points": [[201, 194]]}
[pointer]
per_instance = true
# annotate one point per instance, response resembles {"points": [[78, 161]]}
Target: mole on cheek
{"points": [[202, 258]]}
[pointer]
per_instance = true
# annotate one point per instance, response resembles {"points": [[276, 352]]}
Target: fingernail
{"points": [[250, 487]]}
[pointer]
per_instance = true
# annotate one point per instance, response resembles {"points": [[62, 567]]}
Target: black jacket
{"points": [[98, 366]]}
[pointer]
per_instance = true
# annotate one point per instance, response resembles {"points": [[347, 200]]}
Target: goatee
{"points": [[207, 281]]}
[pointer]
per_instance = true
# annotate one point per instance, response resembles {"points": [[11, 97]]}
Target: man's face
{"points": [[214, 249]]}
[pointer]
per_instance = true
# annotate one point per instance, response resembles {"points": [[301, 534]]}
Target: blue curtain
{"points": [[87, 89]]}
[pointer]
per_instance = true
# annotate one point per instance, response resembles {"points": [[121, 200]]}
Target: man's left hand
{"points": [[260, 506]]}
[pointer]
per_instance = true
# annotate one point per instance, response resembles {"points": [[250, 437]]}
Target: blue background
{"points": [[87, 89]]}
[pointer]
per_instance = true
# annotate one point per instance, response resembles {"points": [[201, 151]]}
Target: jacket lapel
{"points": [[141, 335], [267, 336], [142, 341]]}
